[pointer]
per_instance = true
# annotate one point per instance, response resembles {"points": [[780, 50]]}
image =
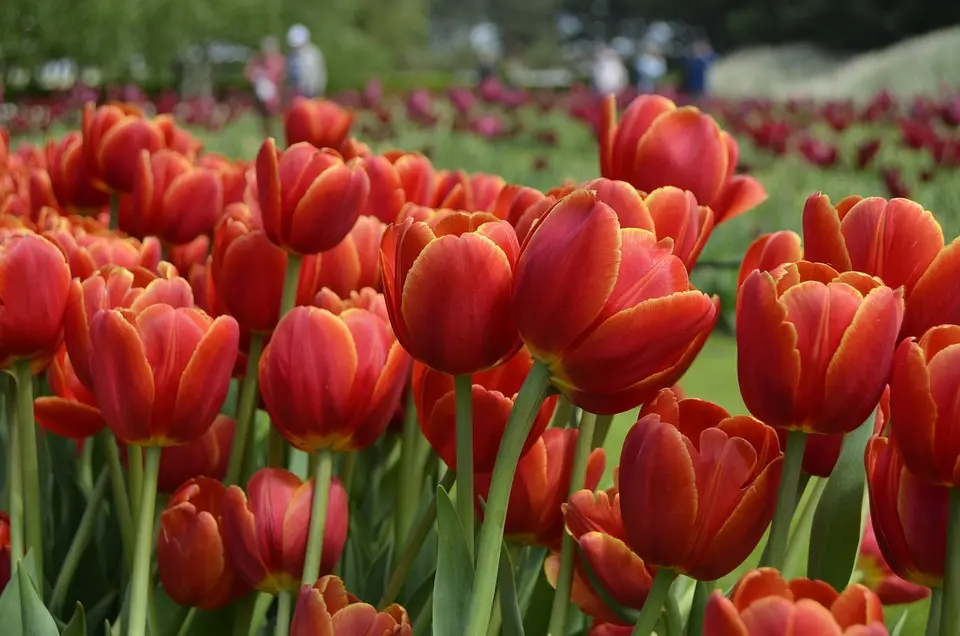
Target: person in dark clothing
{"points": [[696, 66]]}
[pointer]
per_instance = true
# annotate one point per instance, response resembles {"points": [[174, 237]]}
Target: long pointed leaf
{"points": [[453, 585], [509, 604], [35, 619]]}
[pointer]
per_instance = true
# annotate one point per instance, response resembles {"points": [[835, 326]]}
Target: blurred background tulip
{"points": [[327, 608], [320, 122]]}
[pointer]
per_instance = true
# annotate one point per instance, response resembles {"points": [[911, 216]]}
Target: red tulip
{"points": [[541, 485], [192, 559], [355, 262], [112, 141], [447, 285], [71, 411], [417, 176], [327, 608], [71, 176], [726, 470], [332, 381], [866, 152], [763, 604], [206, 456], [232, 173], [177, 139], [769, 252], [930, 303], [386, 189], [880, 578], [657, 144], [265, 529], [614, 343], [814, 346], [319, 122]]}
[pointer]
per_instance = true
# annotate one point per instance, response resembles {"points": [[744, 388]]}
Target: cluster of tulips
{"points": [[343, 294]]}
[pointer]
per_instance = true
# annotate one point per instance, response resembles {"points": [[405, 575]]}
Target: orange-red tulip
{"points": [[176, 138], [327, 608], [763, 604], [769, 252], [309, 199], [931, 302], [320, 122], [355, 262], [541, 485], [417, 176], [657, 144], [188, 256], [880, 577], [34, 284], [610, 310], [206, 456], [513, 201], [162, 373], [90, 248], [233, 175], [447, 285], [493, 394], [266, 529], [386, 189], [909, 516], [194, 565], [814, 347], [173, 199], [112, 141], [71, 411], [332, 381]]}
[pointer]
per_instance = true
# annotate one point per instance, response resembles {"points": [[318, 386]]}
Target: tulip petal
{"points": [[721, 618], [620, 572], [929, 303], [629, 133], [190, 554], [68, 418], [740, 194], [822, 236], [857, 606], [769, 252], [624, 199], [311, 616], [944, 376], [243, 544], [328, 210]]}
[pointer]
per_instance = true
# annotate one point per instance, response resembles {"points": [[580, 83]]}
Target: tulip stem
{"points": [[143, 551], [284, 601], [601, 430], [561, 415], [654, 603], [276, 449], [15, 475], [701, 594], [135, 468], [80, 541], [246, 410], [578, 473], [776, 552], [463, 393], [121, 502], [291, 281], [187, 622], [318, 516], [29, 466], [933, 614], [532, 394], [950, 610], [411, 549], [410, 483]]}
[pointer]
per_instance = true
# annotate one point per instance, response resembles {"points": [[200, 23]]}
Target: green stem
{"points": [[114, 211], [933, 614], [525, 409], [411, 476], [496, 616], [348, 466], [318, 517], [27, 441], [411, 549], [80, 541], [246, 410], [776, 553], [698, 608], [135, 469], [284, 602], [85, 468], [654, 603], [950, 612], [561, 415], [561, 598], [15, 475], [187, 622], [798, 544], [121, 503], [143, 551], [276, 449], [262, 602], [463, 392], [673, 617], [243, 617], [601, 431], [291, 281]]}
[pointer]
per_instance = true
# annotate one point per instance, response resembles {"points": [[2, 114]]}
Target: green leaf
{"points": [[35, 620], [10, 606], [898, 628], [536, 621], [78, 623], [375, 581], [509, 605], [838, 521], [453, 585]]}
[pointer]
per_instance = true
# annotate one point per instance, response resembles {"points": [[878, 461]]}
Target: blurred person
{"points": [[696, 66], [265, 72], [651, 67], [307, 68], [609, 73]]}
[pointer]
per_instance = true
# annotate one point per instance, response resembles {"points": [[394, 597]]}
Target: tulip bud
{"points": [[327, 608]]}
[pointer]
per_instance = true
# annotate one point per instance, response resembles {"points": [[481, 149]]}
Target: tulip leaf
{"points": [[898, 628], [453, 585], [78, 623], [536, 620], [375, 581], [35, 619], [838, 521], [509, 605]]}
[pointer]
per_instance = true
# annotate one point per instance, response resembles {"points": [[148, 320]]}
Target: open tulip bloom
{"points": [[331, 390]]}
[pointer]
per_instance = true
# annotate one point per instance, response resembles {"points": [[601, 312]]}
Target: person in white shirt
{"points": [[306, 68], [609, 73], [651, 67]]}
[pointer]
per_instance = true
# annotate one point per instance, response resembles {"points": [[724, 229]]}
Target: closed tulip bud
{"points": [[513, 201], [161, 374], [417, 176], [319, 122], [173, 199], [265, 529], [657, 144], [444, 312], [35, 282], [71, 411], [484, 188], [112, 142], [880, 578], [113, 287], [386, 190], [73, 182], [309, 199], [232, 173], [615, 342], [763, 603], [178, 139], [355, 262], [327, 608], [194, 565], [770, 251], [248, 271], [41, 192], [206, 456], [814, 346], [541, 485], [726, 471], [493, 394], [188, 256], [332, 381]]}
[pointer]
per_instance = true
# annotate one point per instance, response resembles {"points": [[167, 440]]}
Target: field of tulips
{"points": [[421, 367]]}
